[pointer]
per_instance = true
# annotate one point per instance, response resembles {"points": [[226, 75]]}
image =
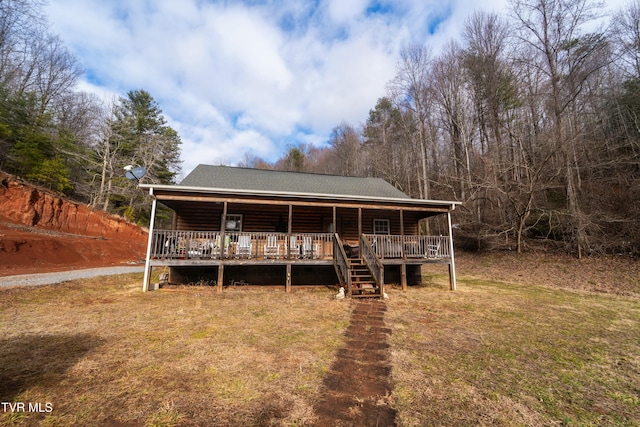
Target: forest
{"points": [[531, 118], [70, 141]]}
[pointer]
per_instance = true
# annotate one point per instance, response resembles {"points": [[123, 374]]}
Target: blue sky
{"points": [[236, 77]]}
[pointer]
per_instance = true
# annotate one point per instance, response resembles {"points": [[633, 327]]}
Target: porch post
{"points": [[147, 263], [223, 228], [220, 274], [402, 236], [359, 223], [452, 265], [335, 227], [289, 225], [403, 275], [222, 247], [288, 283]]}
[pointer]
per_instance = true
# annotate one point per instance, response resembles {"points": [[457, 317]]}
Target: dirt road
{"points": [[65, 276]]}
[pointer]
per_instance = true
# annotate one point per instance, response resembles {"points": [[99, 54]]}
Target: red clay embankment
{"points": [[41, 232]]}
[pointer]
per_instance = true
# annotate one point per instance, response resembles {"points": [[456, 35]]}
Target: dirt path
{"points": [[357, 387]]}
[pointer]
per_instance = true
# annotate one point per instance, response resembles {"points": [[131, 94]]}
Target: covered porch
{"points": [[219, 234]]}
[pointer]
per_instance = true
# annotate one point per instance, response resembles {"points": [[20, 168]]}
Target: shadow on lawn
{"points": [[39, 360]]}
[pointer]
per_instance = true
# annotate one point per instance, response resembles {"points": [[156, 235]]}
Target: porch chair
{"points": [[433, 250], [271, 248], [244, 246], [294, 247], [216, 249], [195, 249], [309, 249], [170, 250]]}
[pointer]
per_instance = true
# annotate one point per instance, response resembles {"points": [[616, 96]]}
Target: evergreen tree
{"points": [[138, 135]]}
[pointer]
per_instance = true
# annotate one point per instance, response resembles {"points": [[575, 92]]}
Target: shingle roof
{"points": [[234, 178]]}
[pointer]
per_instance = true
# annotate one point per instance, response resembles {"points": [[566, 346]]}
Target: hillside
{"points": [[41, 232]]}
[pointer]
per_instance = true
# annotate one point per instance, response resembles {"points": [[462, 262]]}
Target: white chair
{"points": [[294, 247], [271, 248], [195, 249], [309, 249], [433, 250], [244, 246], [216, 249]]}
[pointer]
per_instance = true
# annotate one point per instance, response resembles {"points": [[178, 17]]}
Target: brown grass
{"points": [[103, 353], [508, 348], [526, 354]]}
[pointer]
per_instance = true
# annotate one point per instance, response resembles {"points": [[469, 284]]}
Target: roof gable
{"points": [[234, 178]]}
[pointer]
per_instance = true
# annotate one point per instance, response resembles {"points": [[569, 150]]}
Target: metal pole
{"points": [[452, 264], [147, 264], [223, 246]]}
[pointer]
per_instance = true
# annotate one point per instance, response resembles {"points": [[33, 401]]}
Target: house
{"points": [[237, 225]]}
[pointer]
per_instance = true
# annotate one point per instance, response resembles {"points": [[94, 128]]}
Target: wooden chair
{"points": [[309, 249], [195, 249], [244, 246], [433, 250], [216, 250], [294, 247], [271, 248]]}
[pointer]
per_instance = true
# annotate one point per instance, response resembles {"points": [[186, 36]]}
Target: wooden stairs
{"points": [[363, 285]]}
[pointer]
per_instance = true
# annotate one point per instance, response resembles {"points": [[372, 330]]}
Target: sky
{"points": [[252, 76]]}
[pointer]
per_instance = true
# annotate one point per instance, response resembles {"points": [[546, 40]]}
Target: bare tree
{"points": [[106, 151], [568, 56], [385, 151], [409, 90], [626, 36], [347, 151], [20, 22], [449, 89]]}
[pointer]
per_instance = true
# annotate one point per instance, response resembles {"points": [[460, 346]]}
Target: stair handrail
{"points": [[340, 262], [372, 261]]}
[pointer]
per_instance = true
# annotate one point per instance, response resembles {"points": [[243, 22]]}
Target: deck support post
{"points": [[147, 263], [335, 227], [220, 277], [288, 283], [403, 276], [223, 229], [289, 224], [404, 256], [452, 264]]}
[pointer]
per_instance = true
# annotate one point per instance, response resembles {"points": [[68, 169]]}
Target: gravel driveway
{"points": [[65, 276]]}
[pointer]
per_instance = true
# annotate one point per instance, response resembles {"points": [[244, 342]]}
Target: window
{"points": [[381, 226], [233, 223]]}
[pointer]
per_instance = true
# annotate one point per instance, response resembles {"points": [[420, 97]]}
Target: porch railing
{"points": [[409, 246], [341, 264], [176, 244], [372, 261]]}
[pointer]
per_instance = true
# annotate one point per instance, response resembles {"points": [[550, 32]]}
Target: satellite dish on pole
{"points": [[134, 173]]}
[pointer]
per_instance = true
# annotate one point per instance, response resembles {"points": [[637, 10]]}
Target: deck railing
{"points": [[341, 263], [175, 244], [368, 255], [409, 246]]}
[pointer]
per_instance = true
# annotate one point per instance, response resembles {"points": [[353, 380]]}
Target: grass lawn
{"points": [[496, 352]]}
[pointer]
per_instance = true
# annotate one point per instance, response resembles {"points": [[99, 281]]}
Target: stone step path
{"points": [[357, 387]]}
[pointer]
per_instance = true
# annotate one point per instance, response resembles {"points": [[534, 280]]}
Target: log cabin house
{"points": [[248, 226]]}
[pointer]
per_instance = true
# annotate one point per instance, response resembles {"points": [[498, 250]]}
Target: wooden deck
{"points": [[356, 264], [202, 248]]}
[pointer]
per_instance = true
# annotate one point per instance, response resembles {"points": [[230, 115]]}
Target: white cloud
{"points": [[233, 77], [342, 11]]}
